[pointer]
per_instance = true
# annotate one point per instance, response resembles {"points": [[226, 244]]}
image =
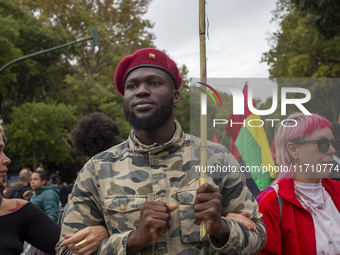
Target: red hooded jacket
{"points": [[296, 235]]}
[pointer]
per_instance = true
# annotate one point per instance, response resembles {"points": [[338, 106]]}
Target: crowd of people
{"points": [[141, 195]]}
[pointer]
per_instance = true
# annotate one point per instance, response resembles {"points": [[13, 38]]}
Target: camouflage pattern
{"points": [[113, 185]]}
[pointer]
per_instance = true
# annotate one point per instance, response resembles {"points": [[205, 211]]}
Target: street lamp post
{"points": [[95, 42]]}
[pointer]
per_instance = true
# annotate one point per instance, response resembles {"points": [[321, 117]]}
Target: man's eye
{"points": [[130, 86], [155, 83]]}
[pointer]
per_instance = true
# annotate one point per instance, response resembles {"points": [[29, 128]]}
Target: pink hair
{"points": [[303, 125]]}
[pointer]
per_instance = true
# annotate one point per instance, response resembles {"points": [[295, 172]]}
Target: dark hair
{"points": [[42, 175], [94, 133], [54, 178]]}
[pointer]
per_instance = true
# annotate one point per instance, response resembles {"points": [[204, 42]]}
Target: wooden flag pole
{"points": [[203, 124]]}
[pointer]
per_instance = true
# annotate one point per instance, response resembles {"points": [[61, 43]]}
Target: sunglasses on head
{"points": [[323, 144]]}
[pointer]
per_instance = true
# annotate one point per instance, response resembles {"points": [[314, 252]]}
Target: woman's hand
{"points": [[242, 219], [86, 241]]}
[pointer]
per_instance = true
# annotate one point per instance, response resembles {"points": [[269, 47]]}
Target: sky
{"points": [[238, 35]]}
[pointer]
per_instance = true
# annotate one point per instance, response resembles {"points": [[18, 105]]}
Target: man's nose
{"points": [[143, 89]]}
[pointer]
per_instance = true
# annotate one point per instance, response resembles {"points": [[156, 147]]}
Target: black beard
{"points": [[159, 117]]}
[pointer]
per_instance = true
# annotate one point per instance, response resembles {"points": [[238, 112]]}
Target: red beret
{"points": [[147, 57]]}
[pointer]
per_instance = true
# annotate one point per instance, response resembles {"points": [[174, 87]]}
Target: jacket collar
{"points": [[161, 150], [287, 192], [333, 188]]}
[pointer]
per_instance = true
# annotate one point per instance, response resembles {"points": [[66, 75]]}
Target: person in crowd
{"points": [[45, 195], [55, 179], [18, 190], [145, 191], [20, 221], [40, 167], [301, 208], [94, 133]]}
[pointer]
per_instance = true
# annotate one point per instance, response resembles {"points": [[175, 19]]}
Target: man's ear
{"points": [[177, 96], [292, 150]]}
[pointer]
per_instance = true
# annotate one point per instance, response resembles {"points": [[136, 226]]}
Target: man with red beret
{"points": [[146, 192]]}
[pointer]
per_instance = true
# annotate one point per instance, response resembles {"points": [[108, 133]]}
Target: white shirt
{"points": [[326, 217]]}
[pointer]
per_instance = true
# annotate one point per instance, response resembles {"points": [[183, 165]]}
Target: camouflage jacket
{"points": [[114, 184]]}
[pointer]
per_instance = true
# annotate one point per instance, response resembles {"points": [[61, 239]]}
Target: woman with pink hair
{"points": [[301, 208]]}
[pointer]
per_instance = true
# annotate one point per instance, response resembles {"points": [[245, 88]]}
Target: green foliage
{"points": [[40, 132], [121, 28], [300, 48], [301, 51], [325, 15], [35, 79], [182, 111], [305, 47]]}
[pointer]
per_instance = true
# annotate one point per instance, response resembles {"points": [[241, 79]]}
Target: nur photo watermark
{"points": [[243, 114]]}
